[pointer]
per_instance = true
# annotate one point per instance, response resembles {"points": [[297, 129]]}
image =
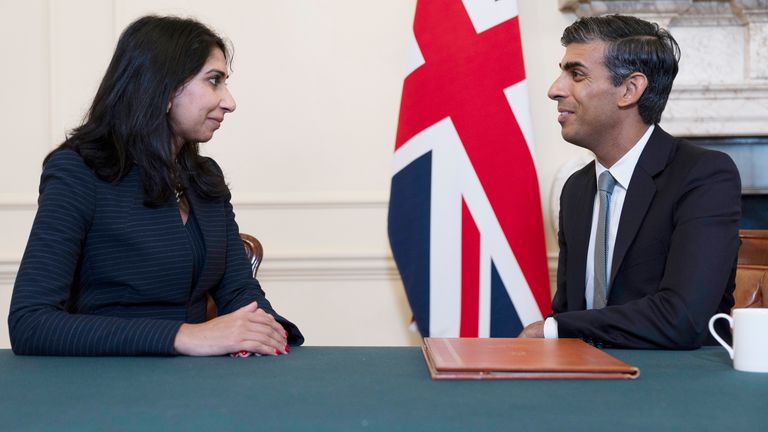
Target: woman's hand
{"points": [[246, 329]]}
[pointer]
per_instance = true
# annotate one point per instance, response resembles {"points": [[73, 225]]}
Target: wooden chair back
{"points": [[754, 247], [752, 270], [751, 287], [253, 250]]}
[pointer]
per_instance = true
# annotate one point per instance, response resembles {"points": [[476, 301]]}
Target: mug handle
{"points": [[716, 336]]}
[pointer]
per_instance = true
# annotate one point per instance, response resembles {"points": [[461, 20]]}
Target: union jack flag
{"points": [[465, 221]]}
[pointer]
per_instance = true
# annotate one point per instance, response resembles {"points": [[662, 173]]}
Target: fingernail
{"points": [[287, 348], [277, 352], [243, 352], [285, 332]]}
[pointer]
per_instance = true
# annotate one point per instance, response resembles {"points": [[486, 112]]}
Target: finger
{"points": [[250, 307], [273, 322], [261, 317], [266, 340], [260, 348], [267, 335], [244, 325]]}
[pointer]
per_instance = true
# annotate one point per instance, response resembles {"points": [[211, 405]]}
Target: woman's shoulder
{"points": [[68, 164], [65, 159]]}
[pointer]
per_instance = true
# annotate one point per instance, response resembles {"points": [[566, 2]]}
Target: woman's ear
{"points": [[169, 107], [634, 87]]}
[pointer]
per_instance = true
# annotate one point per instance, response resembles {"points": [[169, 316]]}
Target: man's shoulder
{"points": [[692, 155], [687, 149], [682, 155]]}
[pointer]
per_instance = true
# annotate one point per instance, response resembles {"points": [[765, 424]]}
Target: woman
{"points": [[134, 228]]}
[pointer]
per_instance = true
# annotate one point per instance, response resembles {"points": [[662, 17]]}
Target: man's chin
{"points": [[574, 139], [566, 135]]}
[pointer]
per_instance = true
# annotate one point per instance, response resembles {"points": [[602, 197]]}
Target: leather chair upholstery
{"points": [[751, 289], [752, 270]]}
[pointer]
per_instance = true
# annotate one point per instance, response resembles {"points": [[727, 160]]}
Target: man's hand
{"points": [[535, 330]]}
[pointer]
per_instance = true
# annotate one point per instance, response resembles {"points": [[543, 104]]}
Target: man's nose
{"points": [[556, 90]]}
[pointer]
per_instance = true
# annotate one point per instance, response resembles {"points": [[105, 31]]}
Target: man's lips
{"points": [[563, 115]]}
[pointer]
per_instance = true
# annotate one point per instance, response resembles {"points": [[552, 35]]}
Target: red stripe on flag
{"points": [[470, 274]]}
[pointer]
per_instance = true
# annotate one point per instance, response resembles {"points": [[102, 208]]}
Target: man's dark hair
{"points": [[633, 45], [127, 123]]}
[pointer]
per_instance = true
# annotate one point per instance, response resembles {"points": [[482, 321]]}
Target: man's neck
{"points": [[622, 142]]}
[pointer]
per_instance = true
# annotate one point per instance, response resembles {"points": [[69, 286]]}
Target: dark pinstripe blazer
{"points": [[104, 275]]}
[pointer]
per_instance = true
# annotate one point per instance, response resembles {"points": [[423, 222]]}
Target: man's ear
{"points": [[633, 88]]}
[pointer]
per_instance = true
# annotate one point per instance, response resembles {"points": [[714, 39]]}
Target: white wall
{"points": [[307, 153]]}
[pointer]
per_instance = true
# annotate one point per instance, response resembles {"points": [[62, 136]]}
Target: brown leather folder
{"points": [[506, 358]]}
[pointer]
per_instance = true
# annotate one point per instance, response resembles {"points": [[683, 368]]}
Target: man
{"points": [[648, 259]]}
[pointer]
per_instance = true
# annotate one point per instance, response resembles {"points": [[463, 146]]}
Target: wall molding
{"points": [[291, 268], [17, 205], [30, 204], [717, 110], [8, 269], [361, 267], [328, 267], [311, 204], [738, 91]]}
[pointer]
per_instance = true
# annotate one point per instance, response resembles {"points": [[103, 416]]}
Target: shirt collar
{"points": [[623, 169]]}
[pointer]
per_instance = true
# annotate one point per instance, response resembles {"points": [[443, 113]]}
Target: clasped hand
{"points": [[246, 329]]}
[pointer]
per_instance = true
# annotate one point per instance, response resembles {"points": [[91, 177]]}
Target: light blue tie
{"points": [[605, 184]]}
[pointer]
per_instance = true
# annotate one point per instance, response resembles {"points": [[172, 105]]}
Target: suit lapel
{"points": [[210, 217], [642, 189], [582, 217]]}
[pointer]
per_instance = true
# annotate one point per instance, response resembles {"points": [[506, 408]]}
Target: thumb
{"points": [[250, 307]]}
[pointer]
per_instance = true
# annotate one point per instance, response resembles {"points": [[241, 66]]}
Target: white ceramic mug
{"points": [[750, 338]]}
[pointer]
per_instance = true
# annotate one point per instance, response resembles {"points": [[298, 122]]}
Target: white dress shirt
{"points": [[622, 171]]}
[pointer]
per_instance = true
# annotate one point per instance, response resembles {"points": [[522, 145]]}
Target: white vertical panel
{"points": [[23, 97], [82, 41]]}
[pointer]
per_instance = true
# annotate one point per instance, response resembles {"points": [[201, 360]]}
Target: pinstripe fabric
{"points": [[197, 246], [104, 275]]}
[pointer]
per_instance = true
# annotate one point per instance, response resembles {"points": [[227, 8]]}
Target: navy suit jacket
{"points": [[103, 274], [674, 259]]}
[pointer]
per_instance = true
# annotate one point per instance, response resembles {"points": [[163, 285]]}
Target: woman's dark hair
{"points": [[634, 45], [127, 123]]}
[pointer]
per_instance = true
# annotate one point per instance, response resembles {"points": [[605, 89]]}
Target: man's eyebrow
{"points": [[571, 65]]}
